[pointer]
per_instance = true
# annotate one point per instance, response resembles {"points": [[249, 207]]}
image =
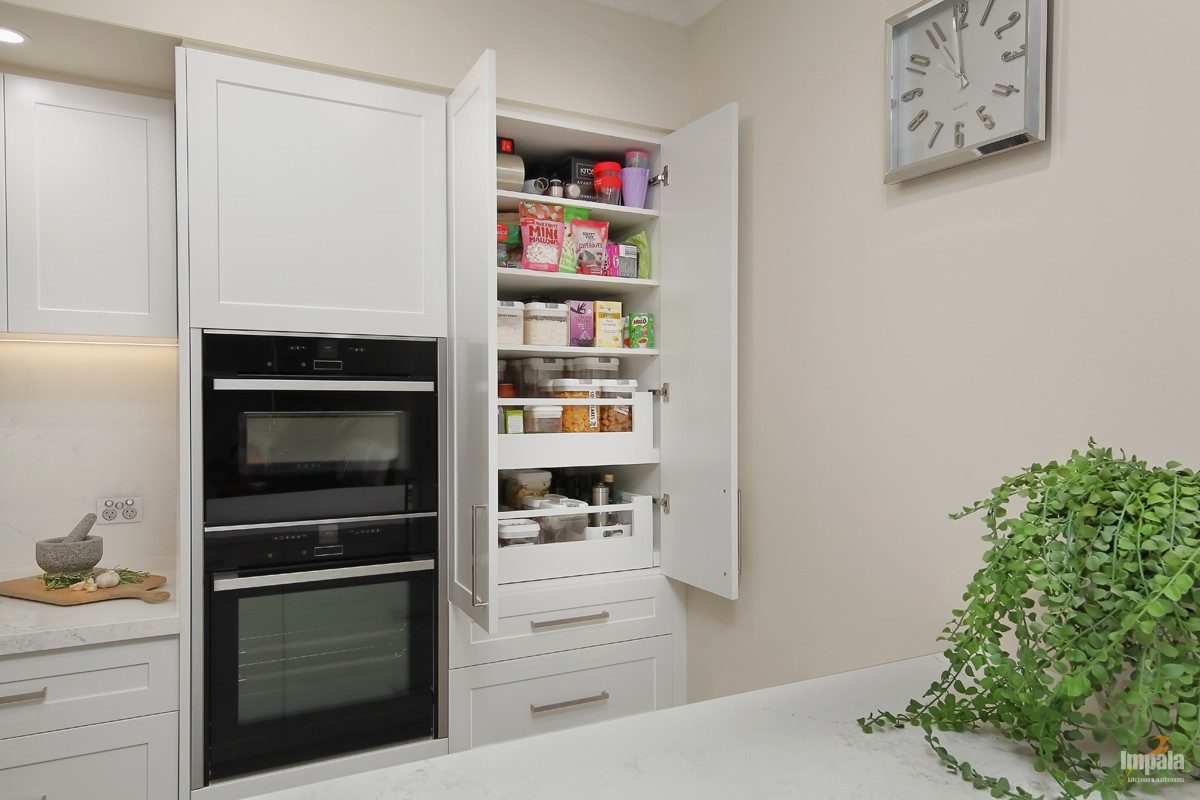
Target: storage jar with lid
{"points": [[578, 419], [546, 323], [543, 419], [617, 419], [606, 178], [593, 368], [513, 532], [510, 317], [534, 372], [523, 483], [564, 527]]}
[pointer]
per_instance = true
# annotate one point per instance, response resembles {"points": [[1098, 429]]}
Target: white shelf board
{"points": [[554, 351], [534, 282], [619, 217]]}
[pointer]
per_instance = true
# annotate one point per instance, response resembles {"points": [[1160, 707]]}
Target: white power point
{"points": [[116, 510]]}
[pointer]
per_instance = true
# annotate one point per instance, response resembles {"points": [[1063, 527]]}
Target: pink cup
{"points": [[634, 181]]}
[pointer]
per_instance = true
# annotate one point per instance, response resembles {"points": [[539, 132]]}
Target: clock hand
{"points": [[962, 68]]}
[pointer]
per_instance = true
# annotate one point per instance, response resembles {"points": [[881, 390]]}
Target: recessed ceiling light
{"points": [[10, 36]]}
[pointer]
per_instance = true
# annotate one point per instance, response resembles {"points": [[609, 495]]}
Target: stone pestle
{"points": [[80, 531]]}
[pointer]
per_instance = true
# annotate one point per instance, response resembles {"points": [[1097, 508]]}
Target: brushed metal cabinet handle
{"points": [[475, 600], [583, 701], [541, 625], [24, 697]]}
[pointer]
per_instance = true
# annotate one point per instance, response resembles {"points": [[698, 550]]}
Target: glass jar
{"points": [[514, 532], [593, 368], [578, 419], [510, 322], [546, 323], [534, 375], [543, 419], [617, 419]]}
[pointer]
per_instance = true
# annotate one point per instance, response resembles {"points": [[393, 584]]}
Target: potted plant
{"points": [[1081, 628]]}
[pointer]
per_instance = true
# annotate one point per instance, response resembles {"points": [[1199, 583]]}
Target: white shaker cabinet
{"points": [[90, 182], [316, 202]]}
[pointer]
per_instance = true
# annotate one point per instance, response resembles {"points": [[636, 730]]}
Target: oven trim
{"points": [[230, 581]]}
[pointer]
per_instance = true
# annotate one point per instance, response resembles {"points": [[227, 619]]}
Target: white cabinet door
{"points": [[133, 759], [699, 297], [91, 210], [316, 202], [471, 150]]}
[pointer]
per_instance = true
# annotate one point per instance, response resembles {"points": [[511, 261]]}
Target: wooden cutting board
{"points": [[34, 589]]}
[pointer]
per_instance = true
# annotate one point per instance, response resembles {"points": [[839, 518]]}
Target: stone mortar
{"points": [[56, 555]]}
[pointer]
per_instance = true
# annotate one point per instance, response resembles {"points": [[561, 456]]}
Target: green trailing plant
{"points": [[1081, 628], [65, 580]]}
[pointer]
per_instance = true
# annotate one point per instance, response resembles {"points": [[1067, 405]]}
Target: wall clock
{"points": [[967, 81]]}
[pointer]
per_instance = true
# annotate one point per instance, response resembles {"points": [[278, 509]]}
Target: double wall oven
{"points": [[321, 466]]}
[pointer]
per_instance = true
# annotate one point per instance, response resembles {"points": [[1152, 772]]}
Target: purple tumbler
{"points": [[634, 181]]}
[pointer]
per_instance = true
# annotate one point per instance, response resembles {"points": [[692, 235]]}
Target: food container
{"points": [[617, 419], [581, 323], [606, 178], [510, 172], [534, 375], [543, 419], [546, 323], [514, 532], [637, 158], [510, 322], [578, 419], [592, 368], [520, 484], [506, 390], [609, 330], [514, 421], [597, 532], [563, 527]]}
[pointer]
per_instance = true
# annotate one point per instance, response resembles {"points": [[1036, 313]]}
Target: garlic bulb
{"points": [[107, 580], [79, 587]]}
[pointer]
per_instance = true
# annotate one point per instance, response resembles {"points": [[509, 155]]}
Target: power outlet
{"points": [[118, 510]]}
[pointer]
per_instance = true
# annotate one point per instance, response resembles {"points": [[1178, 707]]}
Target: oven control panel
{"points": [[315, 356]]}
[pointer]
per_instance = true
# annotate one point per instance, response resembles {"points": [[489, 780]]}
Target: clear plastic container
{"points": [[546, 323], [510, 318], [578, 419], [616, 419], [543, 419], [563, 527], [593, 368], [606, 179], [534, 372], [520, 484], [514, 532]]}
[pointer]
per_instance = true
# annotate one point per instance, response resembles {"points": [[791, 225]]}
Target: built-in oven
{"points": [[302, 428]]}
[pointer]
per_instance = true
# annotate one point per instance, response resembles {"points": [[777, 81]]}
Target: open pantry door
{"points": [[471, 177], [698, 270]]}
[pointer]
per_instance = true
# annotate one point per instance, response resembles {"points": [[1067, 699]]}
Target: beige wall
{"points": [[903, 348], [548, 51]]}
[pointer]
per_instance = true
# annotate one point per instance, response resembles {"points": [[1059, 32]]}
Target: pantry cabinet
{"points": [[89, 178], [676, 469], [316, 202]]}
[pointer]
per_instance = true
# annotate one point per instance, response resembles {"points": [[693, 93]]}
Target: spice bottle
{"points": [[599, 498]]}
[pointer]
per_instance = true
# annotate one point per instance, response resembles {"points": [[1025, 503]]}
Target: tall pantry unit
{"points": [[551, 636]]}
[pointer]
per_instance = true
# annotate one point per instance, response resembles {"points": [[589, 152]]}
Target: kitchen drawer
{"points": [[530, 696], [42, 692], [132, 759], [550, 616]]}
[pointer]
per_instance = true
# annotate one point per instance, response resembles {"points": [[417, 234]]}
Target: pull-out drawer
{"points": [[50, 691], [133, 759], [551, 616], [529, 696]]}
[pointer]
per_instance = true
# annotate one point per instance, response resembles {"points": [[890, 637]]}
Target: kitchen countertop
{"points": [[792, 741], [29, 627]]}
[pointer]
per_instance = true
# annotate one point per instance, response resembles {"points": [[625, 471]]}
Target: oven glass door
{"points": [[308, 665], [282, 450]]}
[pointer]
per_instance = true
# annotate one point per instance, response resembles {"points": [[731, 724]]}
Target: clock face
{"points": [[961, 81]]}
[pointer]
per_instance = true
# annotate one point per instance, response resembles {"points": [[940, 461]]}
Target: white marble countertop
{"points": [[29, 627], [793, 741]]}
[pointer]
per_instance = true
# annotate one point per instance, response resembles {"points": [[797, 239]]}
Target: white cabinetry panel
{"points": [[316, 202], [91, 212]]}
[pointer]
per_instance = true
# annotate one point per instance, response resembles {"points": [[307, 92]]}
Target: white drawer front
{"points": [[132, 759], [43, 692], [568, 615], [514, 699]]}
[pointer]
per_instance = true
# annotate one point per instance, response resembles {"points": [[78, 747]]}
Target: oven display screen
{"points": [[299, 441]]}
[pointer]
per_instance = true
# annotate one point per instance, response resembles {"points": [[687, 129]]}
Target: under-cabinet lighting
{"points": [[111, 341], [12, 36]]}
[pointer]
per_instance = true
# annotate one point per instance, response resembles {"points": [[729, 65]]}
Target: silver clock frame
{"points": [[1037, 28]]}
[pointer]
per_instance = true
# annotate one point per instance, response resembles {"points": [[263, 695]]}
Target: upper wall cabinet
{"points": [[90, 181], [316, 202]]}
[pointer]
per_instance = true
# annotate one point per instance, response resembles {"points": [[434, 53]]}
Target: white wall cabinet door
{"points": [[699, 297], [90, 181], [133, 759], [316, 202]]}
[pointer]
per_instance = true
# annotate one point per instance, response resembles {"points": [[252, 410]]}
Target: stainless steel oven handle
{"points": [[309, 522], [306, 385], [227, 581]]}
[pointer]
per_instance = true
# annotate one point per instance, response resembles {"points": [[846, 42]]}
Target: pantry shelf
{"points": [[554, 351], [620, 217], [534, 282]]}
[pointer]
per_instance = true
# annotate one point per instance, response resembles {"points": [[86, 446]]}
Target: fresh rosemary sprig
{"points": [[65, 580]]}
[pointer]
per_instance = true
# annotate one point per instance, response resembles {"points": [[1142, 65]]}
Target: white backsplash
{"points": [[81, 421]]}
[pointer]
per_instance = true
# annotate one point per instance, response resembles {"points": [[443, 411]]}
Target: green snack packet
{"points": [[642, 243], [640, 331], [567, 261]]}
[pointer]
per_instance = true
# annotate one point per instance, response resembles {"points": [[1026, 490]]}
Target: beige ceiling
{"points": [[677, 12]]}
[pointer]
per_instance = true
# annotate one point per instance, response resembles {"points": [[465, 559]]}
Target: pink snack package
{"points": [[543, 240], [581, 322], [612, 252]]}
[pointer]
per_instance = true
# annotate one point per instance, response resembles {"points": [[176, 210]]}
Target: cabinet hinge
{"points": [[662, 178], [665, 503], [664, 393]]}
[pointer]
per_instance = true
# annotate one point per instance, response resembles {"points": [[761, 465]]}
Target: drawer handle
{"points": [[542, 625], [583, 701], [25, 697]]}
